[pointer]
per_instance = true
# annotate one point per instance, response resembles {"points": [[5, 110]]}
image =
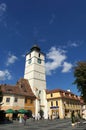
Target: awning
{"points": [[22, 111], [9, 111]]}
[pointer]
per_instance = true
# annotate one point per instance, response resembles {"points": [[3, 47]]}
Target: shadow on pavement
{"points": [[6, 122]]}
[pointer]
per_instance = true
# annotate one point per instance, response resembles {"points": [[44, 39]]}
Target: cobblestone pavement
{"points": [[57, 124]]}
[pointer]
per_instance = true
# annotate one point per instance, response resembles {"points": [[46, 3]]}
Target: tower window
{"points": [[29, 61], [39, 54], [39, 61], [30, 55]]}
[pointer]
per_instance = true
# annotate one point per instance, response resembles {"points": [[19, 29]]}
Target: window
{"points": [[39, 61], [52, 103], [7, 99], [56, 103], [25, 100], [29, 61], [16, 99], [31, 101], [39, 54], [9, 90], [51, 95]]}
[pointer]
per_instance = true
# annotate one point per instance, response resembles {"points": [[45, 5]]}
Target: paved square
{"points": [[58, 124]]}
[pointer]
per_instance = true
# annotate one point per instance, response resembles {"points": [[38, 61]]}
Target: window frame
{"points": [[16, 100], [7, 100]]}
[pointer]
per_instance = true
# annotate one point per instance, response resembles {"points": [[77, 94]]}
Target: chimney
{"points": [[68, 90]]}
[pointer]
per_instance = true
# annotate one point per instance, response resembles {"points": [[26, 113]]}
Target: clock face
{"points": [[39, 61], [29, 61]]}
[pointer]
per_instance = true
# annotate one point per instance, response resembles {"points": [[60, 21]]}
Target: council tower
{"points": [[35, 73]]}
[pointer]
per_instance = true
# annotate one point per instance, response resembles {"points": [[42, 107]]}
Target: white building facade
{"points": [[35, 73]]}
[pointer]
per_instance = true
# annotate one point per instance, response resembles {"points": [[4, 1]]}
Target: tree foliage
{"points": [[80, 78]]}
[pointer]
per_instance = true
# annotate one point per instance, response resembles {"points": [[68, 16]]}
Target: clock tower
{"points": [[35, 73]]}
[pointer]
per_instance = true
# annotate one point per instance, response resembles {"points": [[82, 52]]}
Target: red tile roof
{"points": [[64, 94], [57, 90], [21, 88]]}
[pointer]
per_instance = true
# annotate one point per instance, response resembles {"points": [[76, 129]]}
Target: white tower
{"points": [[35, 73]]}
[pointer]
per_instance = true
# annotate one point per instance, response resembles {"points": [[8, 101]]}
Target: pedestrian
{"points": [[33, 116], [38, 116], [73, 118], [20, 118], [51, 117], [48, 116], [25, 119]]}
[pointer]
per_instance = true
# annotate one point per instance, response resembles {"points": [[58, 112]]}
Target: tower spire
{"points": [[35, 48]]}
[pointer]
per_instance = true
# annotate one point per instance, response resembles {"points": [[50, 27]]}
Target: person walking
{"points": [[33, 116], [25, 118], [73, 118], [20, 118]]}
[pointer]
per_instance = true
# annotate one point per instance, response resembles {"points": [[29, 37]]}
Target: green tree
{"points": [[80, 78]]}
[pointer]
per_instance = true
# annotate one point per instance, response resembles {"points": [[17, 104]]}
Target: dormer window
{"points": [[9, 90], [16, 99], [7, 99], [64, 94]]}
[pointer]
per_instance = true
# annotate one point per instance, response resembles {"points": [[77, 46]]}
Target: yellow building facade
{"points": [[19, 96], [61, 103], [29, 104]]}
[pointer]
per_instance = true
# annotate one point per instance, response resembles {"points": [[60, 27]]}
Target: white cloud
{"points": [[5, 75], [66, 67], [57, 57], [11, 59], [73, 43], [3, 8]]}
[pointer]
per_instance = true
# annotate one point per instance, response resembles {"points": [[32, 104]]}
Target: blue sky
{"points": [[59, 29]]}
